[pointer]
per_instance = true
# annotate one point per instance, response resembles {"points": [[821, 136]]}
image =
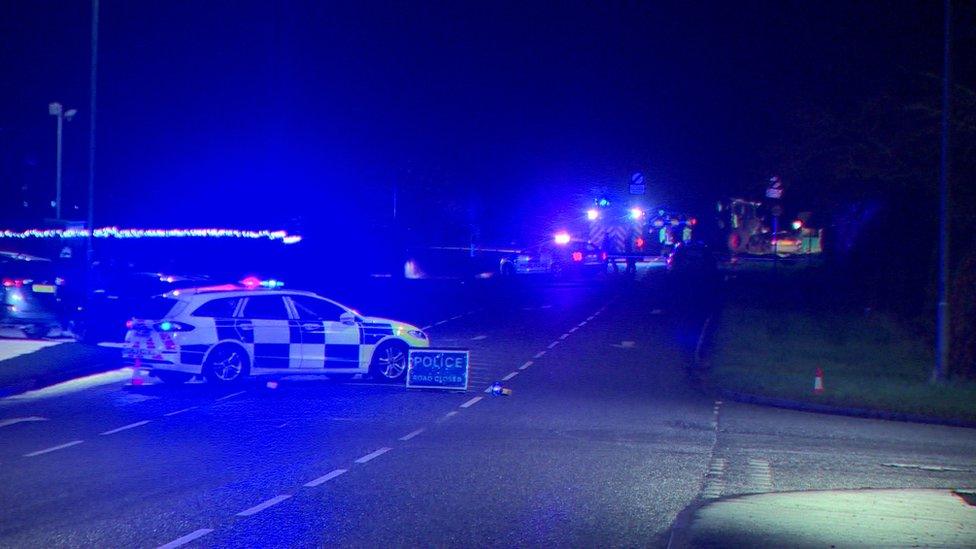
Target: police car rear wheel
{"points": [[226, 364], [390, 362]]}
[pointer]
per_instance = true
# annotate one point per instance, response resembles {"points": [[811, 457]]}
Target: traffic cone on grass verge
{"points": [[818, 384]]}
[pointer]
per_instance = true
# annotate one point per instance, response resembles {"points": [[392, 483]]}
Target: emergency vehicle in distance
{"points": [[230, 332]]}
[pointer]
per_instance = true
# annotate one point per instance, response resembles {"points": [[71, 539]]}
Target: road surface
{"points": [[603, 442]]}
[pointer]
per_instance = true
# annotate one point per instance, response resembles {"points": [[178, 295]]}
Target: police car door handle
{"points": [[314, 327], [245, 327]]}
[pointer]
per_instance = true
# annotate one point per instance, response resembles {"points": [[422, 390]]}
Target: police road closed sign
{"points": [[438, 369]]}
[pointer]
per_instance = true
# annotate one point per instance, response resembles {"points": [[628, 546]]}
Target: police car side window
{"points": [[316, 309], [218, 308], [269, 307]]}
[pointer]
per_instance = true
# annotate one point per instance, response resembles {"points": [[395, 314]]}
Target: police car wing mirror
{"points": [[347, 318]]}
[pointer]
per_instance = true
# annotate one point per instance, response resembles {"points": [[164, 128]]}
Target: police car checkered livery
{"points": [[229, 332]]}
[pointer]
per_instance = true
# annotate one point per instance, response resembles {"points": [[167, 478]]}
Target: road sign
{"points": [[637, 185], [438, 369]]}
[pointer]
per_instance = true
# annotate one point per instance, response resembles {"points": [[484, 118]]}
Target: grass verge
{"points": [[869, 361], [55, 364]]}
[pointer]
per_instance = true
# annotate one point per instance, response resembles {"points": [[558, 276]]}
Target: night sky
{"points": [[254, 113]]}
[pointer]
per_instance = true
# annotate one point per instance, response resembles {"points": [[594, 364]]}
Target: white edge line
{"points": [[373, 455], [553, 344], [471, 402], [183, 540], [325, 478], [539, 354], [425, 328], [564, 336], [410, 435], [573, 329], [526, 365], [232, 395], [54, 448], [167, 414], [451, 413], [510, 376], [126, 427], [264, 505]]}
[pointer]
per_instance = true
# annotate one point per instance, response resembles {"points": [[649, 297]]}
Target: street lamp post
{"points": [[57, 110]]}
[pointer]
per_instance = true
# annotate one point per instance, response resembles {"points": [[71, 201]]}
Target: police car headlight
{"points": [[419, 334]]}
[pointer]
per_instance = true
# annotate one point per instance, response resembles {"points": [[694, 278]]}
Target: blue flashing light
{"points": [[636, 213], [166, 326], [603, 202]]}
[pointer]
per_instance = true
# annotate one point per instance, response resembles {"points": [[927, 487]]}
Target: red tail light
{"points": [[603, 256], [577, 256], [129, 324], [13, 282]]}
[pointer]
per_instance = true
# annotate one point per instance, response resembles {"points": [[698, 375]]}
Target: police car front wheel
{"points": [[390, 361], [226, 364]]}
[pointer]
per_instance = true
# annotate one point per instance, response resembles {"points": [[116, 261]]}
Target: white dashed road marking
{"points": [[54, 448], [573, 329], [539, 354], [262, 506], [510, 376], [526, 365], [180, 411], [373, 455], [760, 475], [126, 427], [16, 420], [564, 336], [471, 402], [180, 541], [479, 337], [410, 435], [553, 344], [325, 478], [714, 479], [232, 395]]}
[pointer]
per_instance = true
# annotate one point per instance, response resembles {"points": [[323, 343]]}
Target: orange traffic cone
{"points": [[818, 384]]}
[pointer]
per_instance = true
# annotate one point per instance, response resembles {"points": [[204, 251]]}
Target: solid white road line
{"points": [[262, 506], [409, 436], [510, 376], [325, 478], [232, 395], [539, 354], [373, 455], [526, 365], [167, 414], [553, 344], [54, 448], [16, 420], [439, 322], [126, 427], [479, 337], [186, 539], [581, 324], [472, 402], [425, 328], [564, 336], [573, 329]]}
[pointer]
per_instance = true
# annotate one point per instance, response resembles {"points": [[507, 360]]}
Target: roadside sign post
{"points": [[438, 369]]}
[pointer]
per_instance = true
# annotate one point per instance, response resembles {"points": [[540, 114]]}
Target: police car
{"points": [[229, 332]]}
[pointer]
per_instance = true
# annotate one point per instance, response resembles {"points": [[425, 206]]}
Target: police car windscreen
{"points": [[152, 308]]}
